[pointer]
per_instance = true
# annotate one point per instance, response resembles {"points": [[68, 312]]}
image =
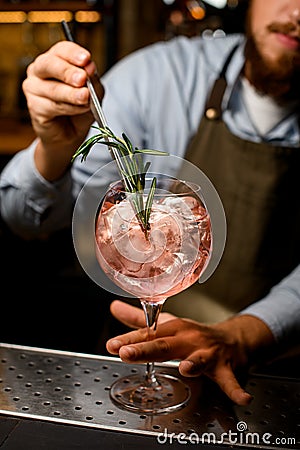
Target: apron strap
{"points": [[213, 109]]}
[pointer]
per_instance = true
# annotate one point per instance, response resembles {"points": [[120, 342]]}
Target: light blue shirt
{"points": [[157, 97]]}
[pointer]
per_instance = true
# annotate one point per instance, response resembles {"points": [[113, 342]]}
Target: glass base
{"points": [[167, 395]]}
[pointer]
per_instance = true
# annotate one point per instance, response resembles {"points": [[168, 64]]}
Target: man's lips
{"points": [[288, 41], [288, 34]]}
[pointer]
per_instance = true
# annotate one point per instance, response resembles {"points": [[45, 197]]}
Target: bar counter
{"points": [[60, 401]]}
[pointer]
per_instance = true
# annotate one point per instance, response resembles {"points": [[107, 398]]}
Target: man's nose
{"points": [[295, 15]]}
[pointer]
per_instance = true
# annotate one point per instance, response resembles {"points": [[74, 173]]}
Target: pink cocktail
{"points": [[153, 266]]}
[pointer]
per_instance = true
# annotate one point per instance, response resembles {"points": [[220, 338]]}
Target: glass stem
{"points": [[152, 311]]}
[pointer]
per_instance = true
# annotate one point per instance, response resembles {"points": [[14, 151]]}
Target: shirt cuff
{"points": [[280, 309], [40, 193]]}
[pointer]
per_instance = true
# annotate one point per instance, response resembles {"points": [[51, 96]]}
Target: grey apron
{"points": [[259, 185]]}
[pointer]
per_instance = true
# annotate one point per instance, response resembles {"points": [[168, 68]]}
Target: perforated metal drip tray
{"points": [[74, 389]]}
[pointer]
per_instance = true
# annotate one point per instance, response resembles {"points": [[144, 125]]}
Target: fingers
{"points": [[72, 52], [195, 365], [227, 381], [115, 344], [132, 316], [203, 350], [139, 345], [55, 94], [65, 61], [222, 374], [59, 76], [166, 349], [178, 339], [129, 315], [159, 350]]}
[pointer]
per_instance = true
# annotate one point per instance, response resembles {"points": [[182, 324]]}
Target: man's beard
{"points": [[279, 79]]}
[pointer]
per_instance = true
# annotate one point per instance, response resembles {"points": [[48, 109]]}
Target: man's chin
{"points": [[271, 75]]}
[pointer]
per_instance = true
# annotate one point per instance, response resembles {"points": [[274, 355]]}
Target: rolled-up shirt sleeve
{"points": [[30, 205], [280, 309]]}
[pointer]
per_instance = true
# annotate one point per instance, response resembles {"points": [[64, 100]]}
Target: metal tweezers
{"points": [[96, 91]]}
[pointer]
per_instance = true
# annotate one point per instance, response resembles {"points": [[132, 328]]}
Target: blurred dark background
{"points": [[46, 298]]}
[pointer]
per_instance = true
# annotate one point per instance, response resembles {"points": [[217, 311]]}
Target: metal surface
{"points": [[74, 388]]}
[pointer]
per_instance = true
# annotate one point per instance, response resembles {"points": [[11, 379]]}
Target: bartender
{"points": [[230, 106]]}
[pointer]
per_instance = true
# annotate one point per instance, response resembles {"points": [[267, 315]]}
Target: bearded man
{"points": [[231, 107]]}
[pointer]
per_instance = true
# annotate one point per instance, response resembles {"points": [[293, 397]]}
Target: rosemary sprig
{"points": [[132, 168]]}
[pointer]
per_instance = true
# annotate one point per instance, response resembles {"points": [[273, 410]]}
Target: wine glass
{"points": [[153, 265]]}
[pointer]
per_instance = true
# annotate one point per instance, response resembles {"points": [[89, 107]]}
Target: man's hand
{"points": [[58, 103], [212, 350]]}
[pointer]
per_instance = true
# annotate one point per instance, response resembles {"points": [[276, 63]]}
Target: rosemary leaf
{"points": [[85, 148], [132, 168], [149, 201], [149, 151], [146, 167], [128, 143]]}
